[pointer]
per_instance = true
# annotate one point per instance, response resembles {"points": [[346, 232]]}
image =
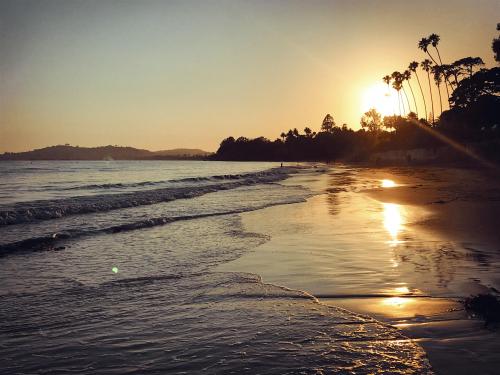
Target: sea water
{"points": [[112, 267]]}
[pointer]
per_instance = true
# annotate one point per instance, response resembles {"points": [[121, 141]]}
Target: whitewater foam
{"points": [[26, 212]]}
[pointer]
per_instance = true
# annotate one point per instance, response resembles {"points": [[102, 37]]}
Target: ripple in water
{"points": [[148, 301]]}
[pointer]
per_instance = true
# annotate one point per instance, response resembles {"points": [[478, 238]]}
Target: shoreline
{"points": [[436, 320]]}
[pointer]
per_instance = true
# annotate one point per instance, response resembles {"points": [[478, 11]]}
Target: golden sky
{"points": [[166, 74]]}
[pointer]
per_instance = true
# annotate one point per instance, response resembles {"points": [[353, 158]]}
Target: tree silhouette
{"points": [[407, 76], [495, 46], [472, 117], [387, 79], [452, 70], [413, 68], [372, 120], [402, 80], [471, 90], [396, 85], [423, 44], [436, 72], [434, 40], [426, 66], [328, 124], [466, 66]]}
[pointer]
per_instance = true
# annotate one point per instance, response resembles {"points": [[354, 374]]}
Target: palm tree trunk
{"points": [[445, 79], [399, 103], [414, 100], [446, 86], [439, 56], [407, 101], [432, 58], [440, 99], [432, 100], [423, 97], [392, 101]]}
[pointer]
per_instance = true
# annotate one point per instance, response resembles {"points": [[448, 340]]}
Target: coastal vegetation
{"points": [[468, 117]]}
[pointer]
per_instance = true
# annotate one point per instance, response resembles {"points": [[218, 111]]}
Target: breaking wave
{"points": [[26, 212]]}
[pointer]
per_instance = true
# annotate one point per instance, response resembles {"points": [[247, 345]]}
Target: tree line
{"points": [[472, 116]]}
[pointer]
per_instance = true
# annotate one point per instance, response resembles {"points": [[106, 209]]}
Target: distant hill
{"points": [[67, 152], [182, 152]]}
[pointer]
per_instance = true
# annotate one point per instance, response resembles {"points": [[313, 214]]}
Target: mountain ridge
{"points": [[68, 152]]}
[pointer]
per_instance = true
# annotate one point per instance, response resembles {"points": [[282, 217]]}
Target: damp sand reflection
{"points": [[360, 246]]}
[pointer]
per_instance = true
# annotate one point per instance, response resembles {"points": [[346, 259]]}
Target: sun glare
{"points": [[381, 98], [387, 183]]}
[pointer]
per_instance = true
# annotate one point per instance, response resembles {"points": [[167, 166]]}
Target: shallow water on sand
{"points": [[380, 258], [120, 291], [344, 243]]}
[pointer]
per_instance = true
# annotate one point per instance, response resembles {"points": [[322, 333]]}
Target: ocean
{"points": [[114, 267]]}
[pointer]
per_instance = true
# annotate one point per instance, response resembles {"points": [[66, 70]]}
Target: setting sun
{"points": [[385, 183], [183, 181], [380, 97]]}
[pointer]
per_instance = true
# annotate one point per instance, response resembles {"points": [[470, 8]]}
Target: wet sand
{"points": [[402, 245]]}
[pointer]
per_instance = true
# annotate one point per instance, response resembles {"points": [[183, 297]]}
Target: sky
{"points": [[166, 74]]}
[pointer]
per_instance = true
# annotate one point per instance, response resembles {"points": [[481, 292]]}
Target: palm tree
{"points": [[307, 131], [396, 84], [407, 76], [436, 71], [283, 136], [387, 79], [413, 68], [402, 79], [426, 66], [434, 40], [423, 44]]}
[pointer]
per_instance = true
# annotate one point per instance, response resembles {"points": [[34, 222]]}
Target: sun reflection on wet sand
{"points": [[399, 299], [398, 302], [393, 221]]}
